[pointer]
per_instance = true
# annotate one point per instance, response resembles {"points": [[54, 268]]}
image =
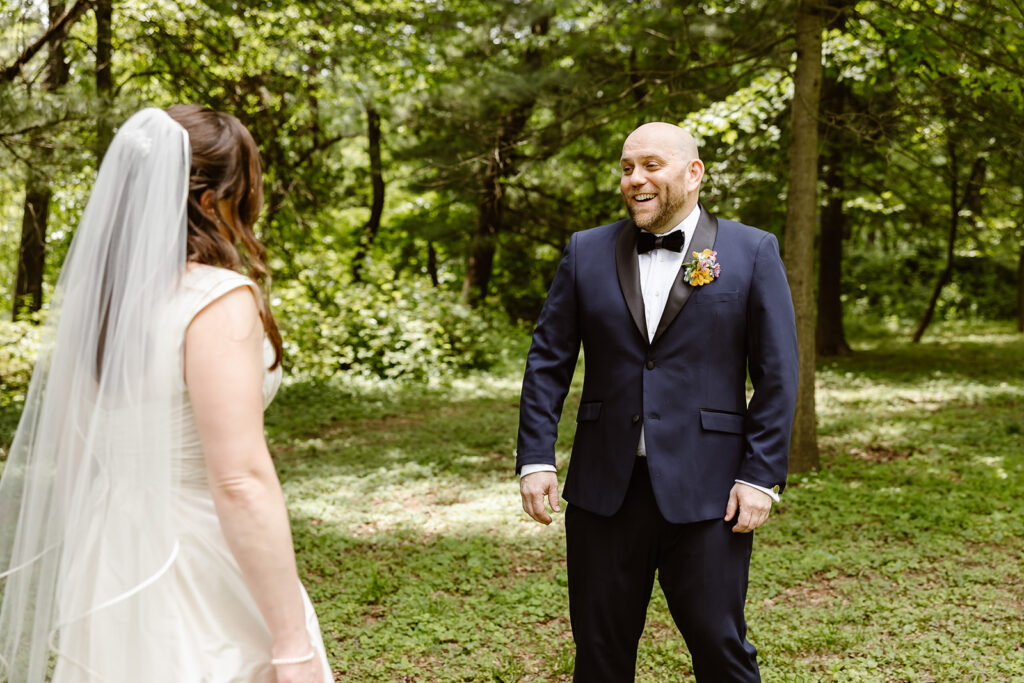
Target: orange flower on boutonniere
{"points": [[703, 269]]}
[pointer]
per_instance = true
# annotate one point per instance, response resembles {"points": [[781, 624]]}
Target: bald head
{"points": [[661, 176], [667, 137]]}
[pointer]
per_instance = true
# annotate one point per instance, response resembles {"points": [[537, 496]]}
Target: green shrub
{"points": [[885, 283], [398, 329], [19, 343], [404, 329]]}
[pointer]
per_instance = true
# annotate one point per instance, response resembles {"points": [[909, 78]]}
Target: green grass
{"points": [[902, 559]]}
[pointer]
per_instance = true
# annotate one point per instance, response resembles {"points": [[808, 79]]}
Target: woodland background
{"points": [[425, 163]]}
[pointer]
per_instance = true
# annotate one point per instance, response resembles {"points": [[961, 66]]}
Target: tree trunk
{"points": [[830, 335], [971, 198], [500, 165], [372, 227], [432, 264], [636, 83], [104, 77], [1020, 290], [947, 270], [483, 245], [801, 224], [28, 286], [940, 282]]}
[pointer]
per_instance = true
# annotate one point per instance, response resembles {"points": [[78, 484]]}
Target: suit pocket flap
{"points": [[588, 411], [716, 421], [717, 297]]}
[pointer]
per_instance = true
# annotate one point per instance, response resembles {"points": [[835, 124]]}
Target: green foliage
{"points": [[19, 344], [396, 329], [896, 283], [521, 109]]}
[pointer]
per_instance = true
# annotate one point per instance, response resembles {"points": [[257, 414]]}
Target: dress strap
{"points": [[205, 284]]}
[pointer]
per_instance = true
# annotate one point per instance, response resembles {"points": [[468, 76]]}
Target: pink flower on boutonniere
{"points": [[703, 269]]}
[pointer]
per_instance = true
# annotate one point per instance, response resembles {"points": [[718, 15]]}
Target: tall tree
{"points": [[962, 195], [801, 222], [499, 164], [104, 76], [28, 287], [372, 226], [830, 337]]}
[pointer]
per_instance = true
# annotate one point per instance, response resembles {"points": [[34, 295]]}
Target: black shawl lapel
{"points": [[629, 275], [703, 238]]}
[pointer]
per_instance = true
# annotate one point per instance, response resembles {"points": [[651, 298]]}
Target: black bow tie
{"points": [[648, 241]]}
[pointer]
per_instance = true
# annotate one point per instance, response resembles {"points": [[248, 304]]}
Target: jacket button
{"points": [[635, 419], [650, 365]]}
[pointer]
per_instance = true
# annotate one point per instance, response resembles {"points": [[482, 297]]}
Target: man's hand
{"points": [[753, 507], [534, 488]]}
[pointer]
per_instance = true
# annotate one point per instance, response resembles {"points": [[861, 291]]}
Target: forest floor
{"points": [[901, 559]]}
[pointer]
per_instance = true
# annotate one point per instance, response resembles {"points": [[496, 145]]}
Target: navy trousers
{"points": [[702, 568]]}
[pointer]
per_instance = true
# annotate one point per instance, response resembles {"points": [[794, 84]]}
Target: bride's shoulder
{"points": [[203, 284]]}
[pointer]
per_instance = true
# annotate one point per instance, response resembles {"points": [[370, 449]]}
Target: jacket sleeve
{"points": [[773, 366], [549, 366]]}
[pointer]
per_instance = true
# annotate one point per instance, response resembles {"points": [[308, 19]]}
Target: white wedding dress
{"points": [[200, 622]]}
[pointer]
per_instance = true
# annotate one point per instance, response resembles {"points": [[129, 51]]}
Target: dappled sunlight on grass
{"points": [[905, 546], [913, 520], [919, 397], [387, 501], [469, 388]]}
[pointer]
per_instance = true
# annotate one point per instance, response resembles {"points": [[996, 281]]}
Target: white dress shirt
{"points": [[658, 271]]}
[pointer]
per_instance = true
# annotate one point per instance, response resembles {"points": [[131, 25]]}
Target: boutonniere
{"points": [[703, 269]]}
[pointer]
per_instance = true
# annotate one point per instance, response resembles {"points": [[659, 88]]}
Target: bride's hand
{"points": [[306, 672]]}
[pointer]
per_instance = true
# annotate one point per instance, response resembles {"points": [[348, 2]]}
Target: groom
{"points": [[671, 467]]}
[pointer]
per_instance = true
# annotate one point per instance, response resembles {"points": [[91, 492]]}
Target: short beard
{"points": [[658, 222]]}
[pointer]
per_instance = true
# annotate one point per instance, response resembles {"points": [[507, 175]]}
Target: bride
{"points": [[143, 532]]}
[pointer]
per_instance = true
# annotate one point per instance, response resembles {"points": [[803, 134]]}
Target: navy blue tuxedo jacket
{"points": [[687, 387]]}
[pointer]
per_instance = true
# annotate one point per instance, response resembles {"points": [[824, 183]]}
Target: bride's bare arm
{"points": [[224, 374]]}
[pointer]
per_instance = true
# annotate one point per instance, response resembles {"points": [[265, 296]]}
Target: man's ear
{"points": [[696, 173]]}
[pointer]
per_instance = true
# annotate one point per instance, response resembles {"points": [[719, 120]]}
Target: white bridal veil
{"points": [[87, 528]]}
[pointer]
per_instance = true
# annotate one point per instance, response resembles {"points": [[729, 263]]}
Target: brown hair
{"points": [[226, 161]]}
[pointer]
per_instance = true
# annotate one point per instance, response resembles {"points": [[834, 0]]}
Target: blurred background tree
{"points": [[427, 160]]}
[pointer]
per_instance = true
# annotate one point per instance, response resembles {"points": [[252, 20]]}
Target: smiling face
{"points": [[661, 176]]}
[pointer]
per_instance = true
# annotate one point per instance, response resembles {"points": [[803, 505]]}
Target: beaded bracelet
{"points": [[294, 660]]}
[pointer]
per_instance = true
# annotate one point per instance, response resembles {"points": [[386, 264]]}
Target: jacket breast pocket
{"points": [[719, 421], [589, 411], [716, 297]]}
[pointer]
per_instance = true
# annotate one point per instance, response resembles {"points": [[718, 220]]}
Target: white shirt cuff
{"points": [[530, 469], [774, 496]]}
